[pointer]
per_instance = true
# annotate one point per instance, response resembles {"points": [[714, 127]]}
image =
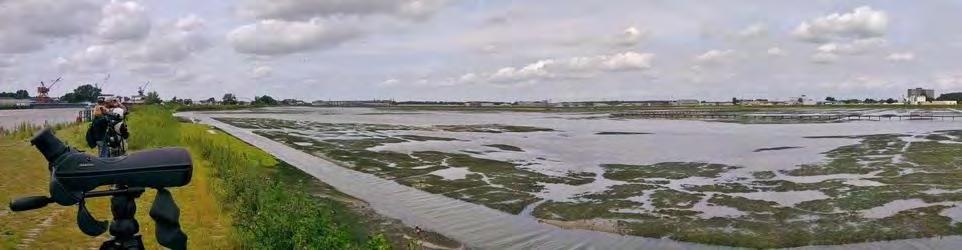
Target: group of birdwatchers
{"points": [[108, 131]]}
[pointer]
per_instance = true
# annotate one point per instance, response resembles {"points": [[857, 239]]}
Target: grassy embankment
{"points": [[239, 197]]}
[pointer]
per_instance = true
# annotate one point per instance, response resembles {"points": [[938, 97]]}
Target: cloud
{"points": [[173, 42], [14, 40], [575, 67], [949, 80], [92, 58], [390, 82], [775, 51], [302, 10], [860, 83], [901, 57], [824, 58], [123, 21], [712, 57], [753, 31], [261, 72], [26, 25], [856, 47], [290, 36], [630, 36], [862, 22]]}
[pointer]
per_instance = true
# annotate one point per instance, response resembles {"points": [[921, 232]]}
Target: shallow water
{"points": [[12, 118], [576, 146]]}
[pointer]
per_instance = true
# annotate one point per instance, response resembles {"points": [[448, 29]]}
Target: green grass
{"points": [[239, 196]]}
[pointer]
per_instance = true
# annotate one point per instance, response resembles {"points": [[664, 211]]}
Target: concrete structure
{"points": [[919, 95], [941, 103], [17, 103]]}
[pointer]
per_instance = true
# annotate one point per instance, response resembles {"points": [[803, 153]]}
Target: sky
{"points": [[468, 50]]}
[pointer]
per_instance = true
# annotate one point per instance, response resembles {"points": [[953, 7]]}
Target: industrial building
{"points": [[14, 103], [919, 95]]}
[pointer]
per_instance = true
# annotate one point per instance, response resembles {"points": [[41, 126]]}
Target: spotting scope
{"points": [[75, 175]]}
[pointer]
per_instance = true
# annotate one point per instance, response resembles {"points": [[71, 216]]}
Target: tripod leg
{"points": [[124, 228]]}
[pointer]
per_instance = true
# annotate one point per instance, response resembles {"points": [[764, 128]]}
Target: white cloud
{"points": [[123, 21], [301, 10], [260, 72], [863, 22], [715, 57], [630, 36], [901, 57], [753, 31], [776, 51], [290, 36], [856, 47], [390, 82], [575, 67]]}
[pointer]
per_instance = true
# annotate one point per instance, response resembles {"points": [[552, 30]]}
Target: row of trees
{"points": [[857, 101], [955, 96], [19, 94]]}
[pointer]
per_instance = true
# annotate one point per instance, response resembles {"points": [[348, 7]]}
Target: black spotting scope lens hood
{"points": [[48, 145]]}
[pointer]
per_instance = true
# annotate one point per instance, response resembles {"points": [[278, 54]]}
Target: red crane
{"points": [[44, 90]]}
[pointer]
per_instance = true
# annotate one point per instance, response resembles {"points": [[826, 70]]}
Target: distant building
{"points": [[941, 103], [481, 104], [11, 102], [919, 95], [544, 103], [801, 100], [685, 102]]}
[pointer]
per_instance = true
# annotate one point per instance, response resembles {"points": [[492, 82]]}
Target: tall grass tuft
{"points": [[152, 127], [268, 213], [26, 130]]}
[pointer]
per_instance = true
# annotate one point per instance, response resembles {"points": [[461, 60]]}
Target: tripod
{"points": [[124, 227]]}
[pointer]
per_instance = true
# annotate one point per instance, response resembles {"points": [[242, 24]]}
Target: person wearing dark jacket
{"points": [[102, 129]]}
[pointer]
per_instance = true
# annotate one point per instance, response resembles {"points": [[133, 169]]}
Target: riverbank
{"points": [[239, 197]]}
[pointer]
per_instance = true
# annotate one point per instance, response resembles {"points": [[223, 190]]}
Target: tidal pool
{"points": [[749, 185]]}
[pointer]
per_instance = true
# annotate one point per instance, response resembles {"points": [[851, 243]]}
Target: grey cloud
{"points": [[278, 37], [25, 25], [123, 21], [174, 42]]}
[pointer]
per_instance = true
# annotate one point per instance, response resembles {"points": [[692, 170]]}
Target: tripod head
{"points": [[74, 176]]}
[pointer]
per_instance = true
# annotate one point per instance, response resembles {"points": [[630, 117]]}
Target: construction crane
{"points": [[104, 82], [141, 89], [43, 91]]}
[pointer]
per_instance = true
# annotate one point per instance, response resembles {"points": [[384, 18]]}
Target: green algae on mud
{"points": [[497, 184], [700, 202], [897, 170], [505, 147], [665, 170]]}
